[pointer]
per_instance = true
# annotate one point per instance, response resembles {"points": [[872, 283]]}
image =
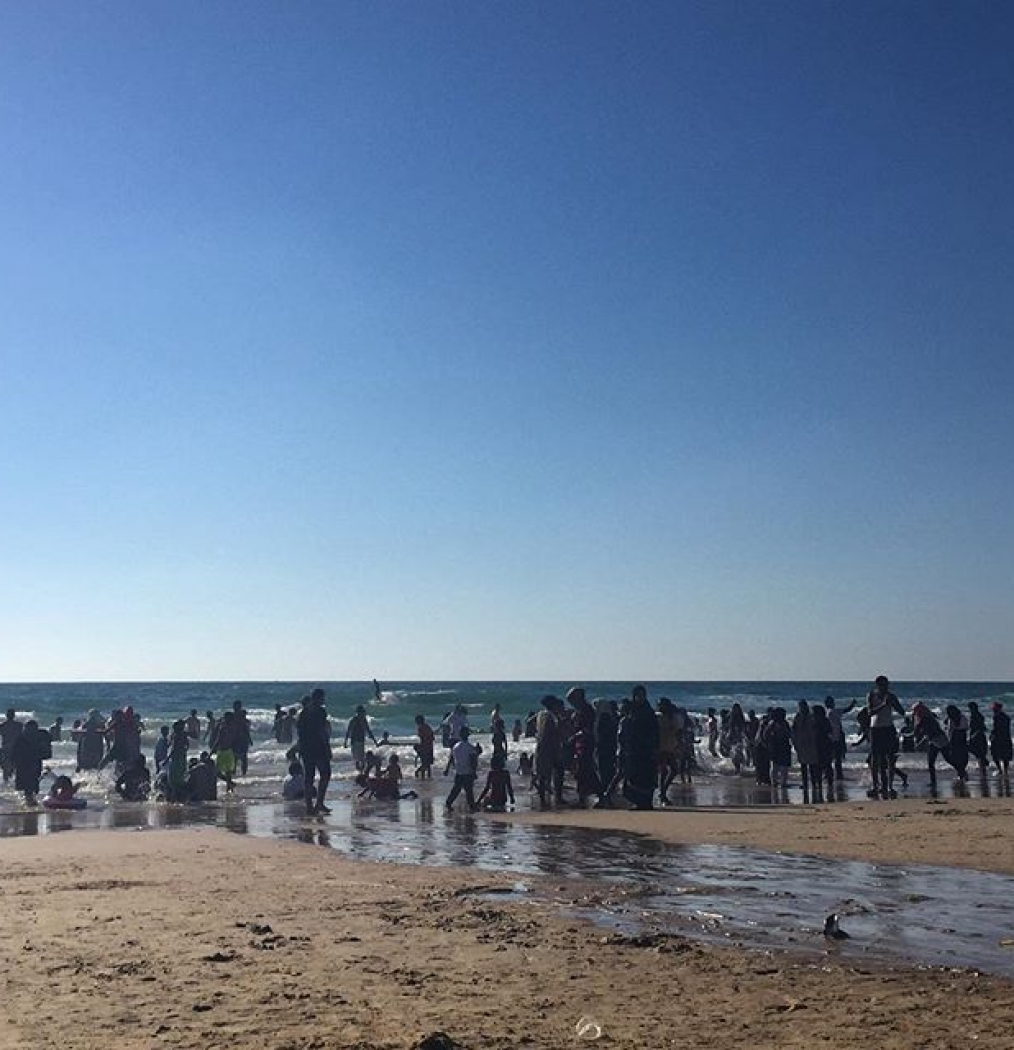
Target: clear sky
{"points": [[506, 340]]}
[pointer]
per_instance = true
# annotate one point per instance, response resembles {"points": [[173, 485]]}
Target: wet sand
{"points": [[961, 832], [202, 938]]}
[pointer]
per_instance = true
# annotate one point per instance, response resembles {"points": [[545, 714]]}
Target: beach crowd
{"points": [[609, 752]]}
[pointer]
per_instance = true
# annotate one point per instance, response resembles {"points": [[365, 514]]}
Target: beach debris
{"points": [[219, 957], [1007, 942], [832, 931], [661, 942], [791, 1006], [437, 1041], [255, 927], [588, 1028]]}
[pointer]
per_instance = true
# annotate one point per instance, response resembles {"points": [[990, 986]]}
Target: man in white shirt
{"points": [[882, 705], [465, 760]]}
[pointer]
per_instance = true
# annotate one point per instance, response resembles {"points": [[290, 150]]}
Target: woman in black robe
{"points": [[31, 749], [640, 751], [1000, 740]]}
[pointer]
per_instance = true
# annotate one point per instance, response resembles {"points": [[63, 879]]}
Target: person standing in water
{"points": [[10, 730], [930, 737], [978, 742], [424, 749], [712, 725], [548, 750], [223, 748], [30, 750], [465, 761], [585, 775], [357, 731], [91, 744], [498, 728], [668, 743], [244, 738], [804, 740], [882, 706], [823, 736], [606, 725], [176, 764], [313, 740], [640, 751], [1000, 744], [839, 744], [957, 740]]}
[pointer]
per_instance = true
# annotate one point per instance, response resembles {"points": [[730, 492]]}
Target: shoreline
{"points": [[202, 937], [954, 832]]}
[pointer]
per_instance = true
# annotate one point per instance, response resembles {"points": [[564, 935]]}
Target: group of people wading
{"points": [[636, 751], [628, 750]]}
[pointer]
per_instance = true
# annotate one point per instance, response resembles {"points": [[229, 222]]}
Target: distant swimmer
{"points": [[377, 692]]}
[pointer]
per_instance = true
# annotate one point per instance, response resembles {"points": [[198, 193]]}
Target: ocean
{"points": [[159, 703]]}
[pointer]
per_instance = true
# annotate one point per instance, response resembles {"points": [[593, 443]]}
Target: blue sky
{"points": [[657, 340]]}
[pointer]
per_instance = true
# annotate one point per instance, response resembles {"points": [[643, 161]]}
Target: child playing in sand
{"points": [[498, 787]]}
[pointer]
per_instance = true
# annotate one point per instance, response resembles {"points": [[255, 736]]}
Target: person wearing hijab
{"points": [[549, 750], [606, 724], [31, 749], [640, 751], [584, 745], [978, 742], [929, 735], [957, 740], [804, 740], [91, 744], [1000, 740]]}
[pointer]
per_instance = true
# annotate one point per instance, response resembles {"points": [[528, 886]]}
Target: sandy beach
{"points": [[200, 938], [957, 832]]}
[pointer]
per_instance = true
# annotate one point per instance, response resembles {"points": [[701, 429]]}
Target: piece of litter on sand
{"points": [[588, 1028]]}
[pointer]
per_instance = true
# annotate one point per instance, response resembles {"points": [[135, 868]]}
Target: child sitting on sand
{"points": [[498, 787]]}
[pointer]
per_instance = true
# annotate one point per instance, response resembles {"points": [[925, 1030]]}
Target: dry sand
{"points": [[967, 833], [202, 939]]}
